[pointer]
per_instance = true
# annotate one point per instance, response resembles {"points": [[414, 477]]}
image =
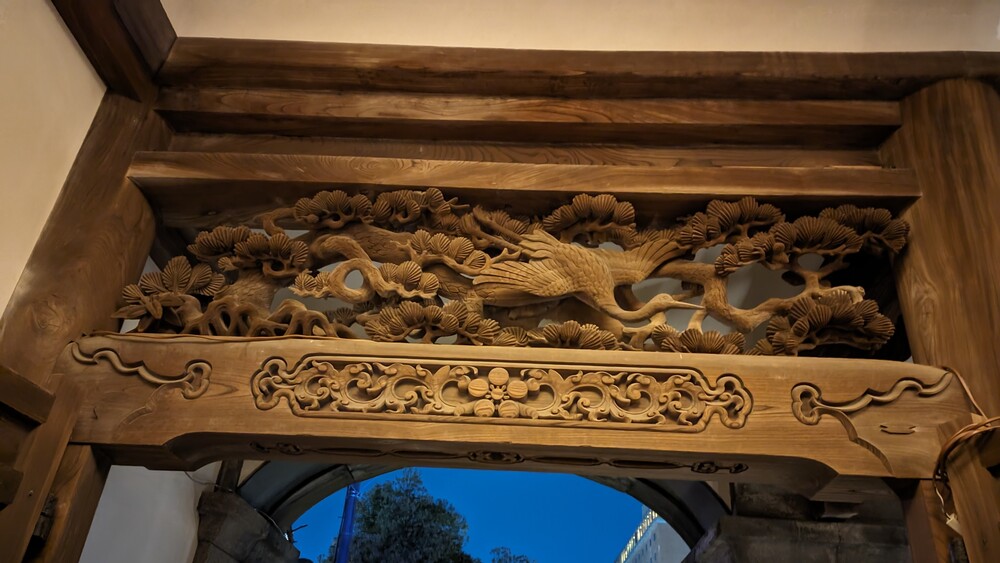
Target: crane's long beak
{"points": [[683, 305]]}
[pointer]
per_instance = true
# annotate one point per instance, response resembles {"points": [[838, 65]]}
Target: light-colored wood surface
{"points": [[428, 116], [947, 278], [169, 426], [199, 189], [243, 63]]}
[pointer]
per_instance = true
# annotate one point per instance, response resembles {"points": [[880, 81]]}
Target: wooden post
{"points": [[96, 239], [947, 277]]}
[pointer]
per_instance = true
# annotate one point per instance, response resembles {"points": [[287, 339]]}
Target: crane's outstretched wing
{"points": [[543, 278]]}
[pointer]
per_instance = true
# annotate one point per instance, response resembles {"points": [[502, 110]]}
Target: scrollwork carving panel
{"points": [[670, 399]]}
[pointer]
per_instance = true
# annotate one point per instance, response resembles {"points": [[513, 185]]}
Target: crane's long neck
{"points": [[655, 305]]}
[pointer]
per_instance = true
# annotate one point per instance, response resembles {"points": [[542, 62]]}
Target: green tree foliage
{"points": [[504, 555], [399, 521]]}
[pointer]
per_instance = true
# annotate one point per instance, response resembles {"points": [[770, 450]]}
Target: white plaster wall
{"points": [[611, 25], [48, 97], [147, 516]]}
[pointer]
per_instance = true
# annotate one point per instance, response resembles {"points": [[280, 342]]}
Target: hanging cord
{"points": [[959, 438]]}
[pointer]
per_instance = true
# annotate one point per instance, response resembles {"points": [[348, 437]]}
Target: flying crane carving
{"points": [[557, 269], [433, 269]]}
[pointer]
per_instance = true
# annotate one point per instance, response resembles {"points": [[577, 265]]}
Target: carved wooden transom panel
{"points": [[433, 269]]}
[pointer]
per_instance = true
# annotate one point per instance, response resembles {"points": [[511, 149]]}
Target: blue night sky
{"points": [[509, 508]]}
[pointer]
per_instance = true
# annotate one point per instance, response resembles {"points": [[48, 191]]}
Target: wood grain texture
{"points": [[243, 63], [150, 29], [95, 241], [24, 397], [198, 189], [947, 277], [428, 116], [527, 153], [77, 487], [165, 426], [928, 534], [38, 462], [109, 46]]}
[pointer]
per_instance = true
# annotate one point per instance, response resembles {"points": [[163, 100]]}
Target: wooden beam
{"points": [[245, 63], [431, 116], [77, 487], [528, 153], [24, 397], [37, 463], [122, 40], [220, 405], [150, 29], [202, 189], [95, 241]]}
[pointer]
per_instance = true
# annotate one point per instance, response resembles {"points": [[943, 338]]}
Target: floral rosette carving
{"points": [[678, 400]]}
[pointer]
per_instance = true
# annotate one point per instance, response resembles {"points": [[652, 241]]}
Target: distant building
{"points": [[654, 541]]}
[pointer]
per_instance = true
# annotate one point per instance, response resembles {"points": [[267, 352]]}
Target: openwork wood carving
{"points": [[431, 269], [672, 399]]}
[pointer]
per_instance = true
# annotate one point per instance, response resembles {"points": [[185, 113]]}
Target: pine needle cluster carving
{"points": [[432, 269]]}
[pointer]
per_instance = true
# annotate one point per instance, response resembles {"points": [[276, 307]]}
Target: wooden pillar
{"points": [[948, 276], [77, 489], [95, 241]]}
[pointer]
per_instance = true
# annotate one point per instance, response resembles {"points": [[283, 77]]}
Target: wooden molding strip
{"points": [[191, 189], [527, 153], [462, 117], [244, 63]]}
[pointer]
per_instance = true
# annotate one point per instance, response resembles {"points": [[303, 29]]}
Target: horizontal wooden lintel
{"points": [[192, 189], [179, 401]]}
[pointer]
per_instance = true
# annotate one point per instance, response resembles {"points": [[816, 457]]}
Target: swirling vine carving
{"points": [[193, 381], [809, 406], [670, 399]]}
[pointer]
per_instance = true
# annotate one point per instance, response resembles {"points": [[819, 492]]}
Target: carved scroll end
{"points": [[193, 381]]}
